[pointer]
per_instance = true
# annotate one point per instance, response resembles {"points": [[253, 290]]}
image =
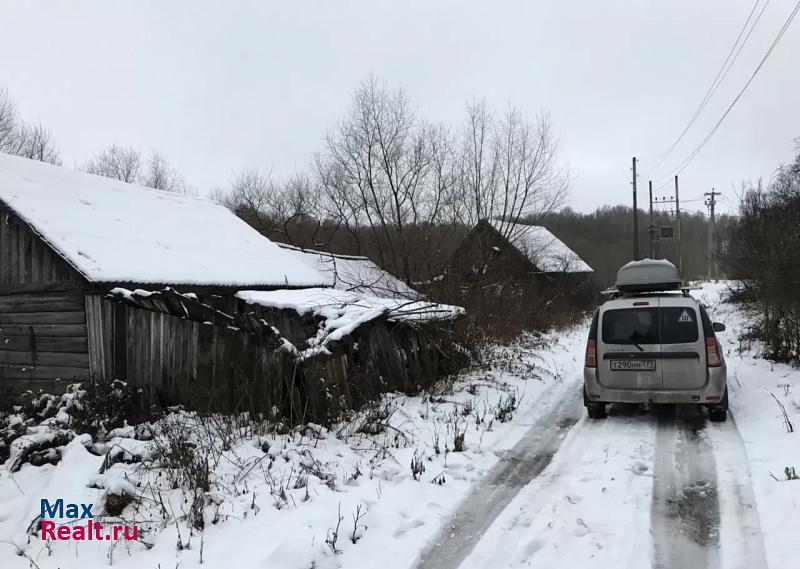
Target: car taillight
{"points": [[713, 356], [591, 353]]}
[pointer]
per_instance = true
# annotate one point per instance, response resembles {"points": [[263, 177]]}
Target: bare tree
{"points": [[8, 120], [385, 173], [117, 162], [442, 176], [376, 171], [478, 165], [23, 139], [508, 168], [252, 196], [126, 165], [160, 175], [272, 207], [35, 142]]}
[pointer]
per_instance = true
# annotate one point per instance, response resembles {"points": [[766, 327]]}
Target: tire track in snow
{"points": [[590, 508], [529, 457], [740, 530], [685, 511]]}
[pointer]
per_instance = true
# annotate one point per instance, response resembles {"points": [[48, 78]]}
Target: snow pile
{"points": [[111, 231], [40, 425], [367, 493], [351, 273], [341, 312], [546, 251]]}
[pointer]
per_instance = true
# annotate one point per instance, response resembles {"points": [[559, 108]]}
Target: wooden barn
{"points": [[499, 264], [516, 254], [101, 280], [68, 238]]}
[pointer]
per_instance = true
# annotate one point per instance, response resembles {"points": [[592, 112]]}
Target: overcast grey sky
{"points": [[217, 86]]}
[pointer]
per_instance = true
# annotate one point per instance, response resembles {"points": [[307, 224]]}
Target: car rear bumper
{"points": [[711, 392]]}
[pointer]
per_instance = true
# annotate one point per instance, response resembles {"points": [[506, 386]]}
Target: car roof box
{"points": [[648, 275]]}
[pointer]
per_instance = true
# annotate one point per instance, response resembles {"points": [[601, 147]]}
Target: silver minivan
{"points": [[654, 346]]}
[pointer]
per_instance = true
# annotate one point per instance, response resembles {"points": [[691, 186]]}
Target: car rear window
{"points": [[669, 325], [678, 325], [630, 326]]}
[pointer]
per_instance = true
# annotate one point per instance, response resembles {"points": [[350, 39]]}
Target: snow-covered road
{"points": [[514, 470], [636, 490], [664, 489]]}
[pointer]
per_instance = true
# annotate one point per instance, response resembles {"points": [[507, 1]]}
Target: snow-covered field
{"points": [[536, 484]]}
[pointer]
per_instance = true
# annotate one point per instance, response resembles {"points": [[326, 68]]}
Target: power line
{"points": [[665, 184], [772, 46], [721, 74]]}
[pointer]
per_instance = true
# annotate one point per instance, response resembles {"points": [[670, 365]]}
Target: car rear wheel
{"points": [[596, 410], [717, 414]]}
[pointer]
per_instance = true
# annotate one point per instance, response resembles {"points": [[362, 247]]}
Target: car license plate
{"points": [[633, 365]]}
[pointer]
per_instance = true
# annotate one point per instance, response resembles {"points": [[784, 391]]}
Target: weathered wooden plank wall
{"points": [[179, 349], [179, 360], [27, 260], [43, 338], [377, 358], [43, 334]]}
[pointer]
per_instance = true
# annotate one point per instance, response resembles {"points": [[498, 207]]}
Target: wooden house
{"points": [[68, 238], [527, 251], [501, 264]]}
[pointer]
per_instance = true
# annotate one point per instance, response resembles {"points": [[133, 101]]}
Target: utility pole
{"points": [[651, 229], [635, 216], [711, 261], [678, 216]]}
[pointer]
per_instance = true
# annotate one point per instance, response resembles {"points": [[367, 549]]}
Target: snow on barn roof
{"points": [[344, 311], [546, 251], [348, 272], [111, 231]]}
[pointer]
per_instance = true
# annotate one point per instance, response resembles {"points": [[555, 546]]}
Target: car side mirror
{"points": [[718, 327]]}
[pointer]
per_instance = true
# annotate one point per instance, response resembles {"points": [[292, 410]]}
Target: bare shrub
{"points": [[417, 467], [764, 253], [506, 407], [358, 526], [333, 533], [185, 462]]}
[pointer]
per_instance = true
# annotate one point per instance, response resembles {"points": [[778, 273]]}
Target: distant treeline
{"points": [[604, 239]]}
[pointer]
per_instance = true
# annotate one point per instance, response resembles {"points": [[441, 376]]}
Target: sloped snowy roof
{"points": [[116, 232], [344, 311], [358, 274], [546, 251]]}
